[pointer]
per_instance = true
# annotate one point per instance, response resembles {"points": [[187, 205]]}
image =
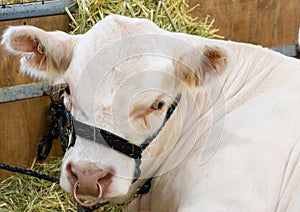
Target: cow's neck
{"points": [[205, 106], [248, 74], [251, 71]]}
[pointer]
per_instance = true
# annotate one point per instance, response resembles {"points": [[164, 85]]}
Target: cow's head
{"points": [[123, 76]]}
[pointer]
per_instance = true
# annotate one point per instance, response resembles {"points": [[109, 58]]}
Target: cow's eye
{"points": [[158, 105]]}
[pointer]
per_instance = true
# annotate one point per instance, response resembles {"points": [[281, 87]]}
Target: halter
{"points": [[118, 143]]}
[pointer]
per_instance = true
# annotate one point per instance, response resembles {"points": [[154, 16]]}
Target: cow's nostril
{"points": [[73, 178], [105, 180]]}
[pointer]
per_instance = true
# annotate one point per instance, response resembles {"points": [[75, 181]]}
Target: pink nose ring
{"points": [[90, 204]]}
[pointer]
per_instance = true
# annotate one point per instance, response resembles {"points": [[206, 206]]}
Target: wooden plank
{"points": [[265, 22], [23, 123]]}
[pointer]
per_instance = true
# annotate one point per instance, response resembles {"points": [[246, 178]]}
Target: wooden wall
{"points": [[265, 22], [23, 123]]}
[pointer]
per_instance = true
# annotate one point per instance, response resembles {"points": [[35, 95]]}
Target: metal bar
{"points": [[26, 91], [36, 9], [291, 50]]}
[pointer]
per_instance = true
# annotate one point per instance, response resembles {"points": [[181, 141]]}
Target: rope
{"points": [[29, 172], [61, 125]]}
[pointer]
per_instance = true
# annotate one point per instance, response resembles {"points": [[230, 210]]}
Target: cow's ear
{"points": [[195, 65], [44, 54]]}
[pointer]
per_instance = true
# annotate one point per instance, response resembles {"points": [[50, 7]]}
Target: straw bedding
{"points": [[20, 193]]}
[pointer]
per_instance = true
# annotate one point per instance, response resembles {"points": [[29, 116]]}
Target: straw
{"points": [[172, 15], [25, 193]]}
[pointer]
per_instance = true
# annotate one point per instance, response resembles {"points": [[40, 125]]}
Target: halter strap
{"points": [[116, 142], [104, 137]]}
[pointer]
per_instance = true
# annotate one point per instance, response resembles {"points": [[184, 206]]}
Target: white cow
{"points": [[222, 119]]}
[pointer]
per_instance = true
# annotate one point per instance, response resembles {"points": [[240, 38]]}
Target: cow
{"points": [[168, 121]]}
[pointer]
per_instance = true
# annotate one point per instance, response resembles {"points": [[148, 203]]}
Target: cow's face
{"points": [[123, 77], [131, 100]]}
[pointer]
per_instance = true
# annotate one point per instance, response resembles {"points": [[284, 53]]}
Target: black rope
{"points": [[45, 144], [29, 172], [61, 126]]}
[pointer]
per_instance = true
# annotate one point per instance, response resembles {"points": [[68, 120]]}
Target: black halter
{"points": [[118, 143]]}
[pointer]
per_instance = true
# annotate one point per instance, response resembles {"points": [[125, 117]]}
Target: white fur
{"points": [[232, 143]]}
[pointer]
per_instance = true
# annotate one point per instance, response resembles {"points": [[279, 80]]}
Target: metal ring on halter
{"points": [[83, 203]]}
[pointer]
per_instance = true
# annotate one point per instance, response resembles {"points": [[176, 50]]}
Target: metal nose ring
{"points": [[89, 204]]}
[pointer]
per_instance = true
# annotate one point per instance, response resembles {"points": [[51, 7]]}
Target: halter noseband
{"points": [[104, 137]]}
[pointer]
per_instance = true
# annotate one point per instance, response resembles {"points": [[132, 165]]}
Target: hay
{"points": [[23, 193], [172, 15]]}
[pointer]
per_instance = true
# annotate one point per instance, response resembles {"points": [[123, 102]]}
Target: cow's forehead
{"points": [[108, 84], [102, 83], [115, 39], [128, 62]]}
